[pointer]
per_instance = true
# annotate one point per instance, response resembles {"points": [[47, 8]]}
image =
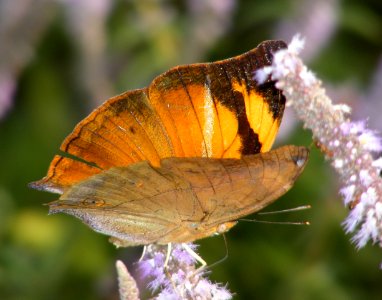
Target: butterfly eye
{"points": [[93, 202], [194, 226]]}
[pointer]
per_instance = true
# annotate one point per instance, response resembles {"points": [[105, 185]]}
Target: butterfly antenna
{"points": [[225, 256], [303, 207], [275, 222], [298, 208]]}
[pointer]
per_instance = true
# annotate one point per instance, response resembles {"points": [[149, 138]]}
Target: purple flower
{"points": [[179, 279], [349, 145]]}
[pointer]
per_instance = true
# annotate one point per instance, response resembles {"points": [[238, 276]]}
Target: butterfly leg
{"points": [[167, 255], [196, 256], [143, 253]]}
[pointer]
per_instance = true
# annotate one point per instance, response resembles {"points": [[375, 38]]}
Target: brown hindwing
{"points": [[184, 199]]}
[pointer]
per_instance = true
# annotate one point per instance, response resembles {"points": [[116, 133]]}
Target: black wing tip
{"points": [[266, 49], [273, 45]]}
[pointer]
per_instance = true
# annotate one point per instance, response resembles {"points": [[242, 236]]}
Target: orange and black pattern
{"points": [[201, 110]]}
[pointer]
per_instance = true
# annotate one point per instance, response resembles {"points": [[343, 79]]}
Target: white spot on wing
{"points": [[300, 162], [208, 130], [120, 127]]}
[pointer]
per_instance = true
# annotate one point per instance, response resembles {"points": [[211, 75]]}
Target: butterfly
{"points": [[181, 159]]}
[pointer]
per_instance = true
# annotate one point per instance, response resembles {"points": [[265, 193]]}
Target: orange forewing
{"points": [[201, 110]]}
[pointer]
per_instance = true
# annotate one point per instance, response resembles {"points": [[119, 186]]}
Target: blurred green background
{"points": [[60, 59]]}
